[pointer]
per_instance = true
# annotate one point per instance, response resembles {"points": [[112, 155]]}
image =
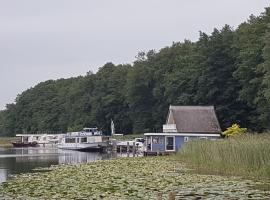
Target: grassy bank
{"points": [[247, 156], [7, 141], [128, 178]]}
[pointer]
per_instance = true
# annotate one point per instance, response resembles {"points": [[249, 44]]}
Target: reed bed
{"points": [[247, 156]]}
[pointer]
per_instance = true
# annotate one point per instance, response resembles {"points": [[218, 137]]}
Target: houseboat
{"points": [[35, 140], [90, 139], [184, 123]]}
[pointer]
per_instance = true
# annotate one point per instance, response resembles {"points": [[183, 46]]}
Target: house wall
{"points": [[179, 142], [159, 145]]}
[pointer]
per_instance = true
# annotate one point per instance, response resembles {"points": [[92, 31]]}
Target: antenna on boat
{"points": [[112, 128]]}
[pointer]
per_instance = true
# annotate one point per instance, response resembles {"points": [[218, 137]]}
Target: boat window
{"points": [[140, 140], [186, 139], [83, 140], [70, 140]]}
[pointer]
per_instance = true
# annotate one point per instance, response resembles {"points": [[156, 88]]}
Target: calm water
{"points": [[22, 160]]}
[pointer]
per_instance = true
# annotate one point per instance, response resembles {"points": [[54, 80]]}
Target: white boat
{"points": [[40, 139], [86, 140], [137, 142]]}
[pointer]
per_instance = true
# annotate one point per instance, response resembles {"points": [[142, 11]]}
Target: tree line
{"points": [[228, 68]]}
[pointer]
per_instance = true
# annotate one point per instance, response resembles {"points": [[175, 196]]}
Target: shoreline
{"points": [[128, 178], [6, 142]]}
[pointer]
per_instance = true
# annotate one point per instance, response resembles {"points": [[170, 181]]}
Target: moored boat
{"points": [[24, 144], [34, 140], [90, 139]]}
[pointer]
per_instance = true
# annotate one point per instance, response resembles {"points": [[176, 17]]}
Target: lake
{"points": [[23, 160]]}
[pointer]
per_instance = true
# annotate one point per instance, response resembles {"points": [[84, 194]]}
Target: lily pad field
{"points": [[128, 178]]}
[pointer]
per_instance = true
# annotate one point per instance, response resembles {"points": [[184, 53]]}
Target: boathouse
{"points": [[184, 123]]}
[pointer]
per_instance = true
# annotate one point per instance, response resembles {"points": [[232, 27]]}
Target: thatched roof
{"points": [[194, 119]]}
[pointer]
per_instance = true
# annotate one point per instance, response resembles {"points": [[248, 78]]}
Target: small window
{"points": [[157, 140], [186, 139], [203, 138]]}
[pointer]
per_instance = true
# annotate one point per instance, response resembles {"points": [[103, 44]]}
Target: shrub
{"points": [[234, 130]]}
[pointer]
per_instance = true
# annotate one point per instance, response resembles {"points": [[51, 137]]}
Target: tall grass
{"points": [[247, 156]]}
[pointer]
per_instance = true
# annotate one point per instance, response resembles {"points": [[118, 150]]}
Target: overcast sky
{"points": [[51, 39]]}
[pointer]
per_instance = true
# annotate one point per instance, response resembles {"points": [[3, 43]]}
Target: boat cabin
{"points": [[184, 123], [40, 139]]}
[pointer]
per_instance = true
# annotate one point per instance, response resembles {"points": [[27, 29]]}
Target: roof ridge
{"points": [[191, 107]]}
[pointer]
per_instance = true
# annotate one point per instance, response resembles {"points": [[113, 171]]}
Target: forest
{"points": [[229, 68]]}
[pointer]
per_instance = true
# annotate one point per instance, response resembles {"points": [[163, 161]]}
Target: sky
{"points": [[52, 39]]}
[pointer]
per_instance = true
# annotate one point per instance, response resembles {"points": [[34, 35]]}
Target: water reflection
{"points": [[22, 160]]}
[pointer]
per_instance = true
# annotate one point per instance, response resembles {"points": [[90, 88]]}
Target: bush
{"points": [[234, 130]]}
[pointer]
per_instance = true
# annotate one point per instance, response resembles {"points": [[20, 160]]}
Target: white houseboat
{"points": [[90, 139], [33, 140]]}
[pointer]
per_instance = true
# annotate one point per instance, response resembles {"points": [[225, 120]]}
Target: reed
{"points": [[247, 156]]}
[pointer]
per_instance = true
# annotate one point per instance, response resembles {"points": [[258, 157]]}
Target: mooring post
{"points": [[133, 149], [114, 147], [127, 149], [137, 149], [120, 149]]}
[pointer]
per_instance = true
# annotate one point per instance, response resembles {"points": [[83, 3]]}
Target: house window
{"points": [[157, 140], [169, 143], [186, 139], [203, 138]]}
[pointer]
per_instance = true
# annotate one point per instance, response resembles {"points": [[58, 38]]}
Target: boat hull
{"points": [[24, 144], [83, 147]]}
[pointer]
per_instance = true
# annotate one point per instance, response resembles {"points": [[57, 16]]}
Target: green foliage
{"points": [[229, 69], [249, 43], [2, 123], [234, 130]]}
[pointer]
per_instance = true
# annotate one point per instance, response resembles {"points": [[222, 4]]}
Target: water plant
{"points": [[128, 178]]}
